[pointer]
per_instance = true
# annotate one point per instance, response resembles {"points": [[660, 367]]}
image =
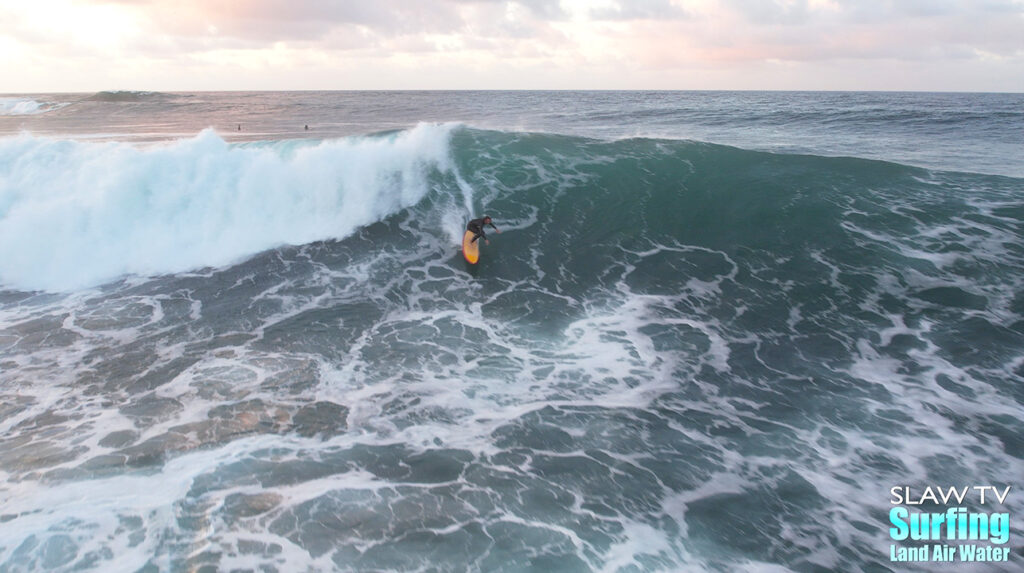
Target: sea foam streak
{"points": [[75, 214]]}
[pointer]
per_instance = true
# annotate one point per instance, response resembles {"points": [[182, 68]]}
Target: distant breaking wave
{"points": [[127, 96], [27, 106], [76, 214]]}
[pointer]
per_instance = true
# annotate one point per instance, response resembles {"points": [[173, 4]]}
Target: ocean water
{"points": [[716, 328]]}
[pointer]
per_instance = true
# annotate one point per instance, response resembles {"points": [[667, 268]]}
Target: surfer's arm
{"points": [[496, 230]]}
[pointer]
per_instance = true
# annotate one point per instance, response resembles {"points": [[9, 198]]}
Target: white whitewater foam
{"points": [[76, 214]]}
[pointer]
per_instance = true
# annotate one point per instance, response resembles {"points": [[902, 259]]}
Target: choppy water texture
{"points": [[262, 350]]}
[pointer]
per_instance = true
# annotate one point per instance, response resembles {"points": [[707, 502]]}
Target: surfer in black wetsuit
{"points": [[477, 227]]}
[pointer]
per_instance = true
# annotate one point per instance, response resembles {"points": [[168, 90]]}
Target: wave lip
{"points": [[27, 106], [76, 214]]}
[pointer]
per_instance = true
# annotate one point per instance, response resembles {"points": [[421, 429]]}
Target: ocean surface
{"points": [[715, 330]]}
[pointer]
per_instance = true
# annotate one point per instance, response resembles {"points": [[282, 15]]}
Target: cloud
{"points": [[591, 40], [282, 20], [727, 29], [808, 30], [404, 26], [308, 20], [639, 10], [541, 9]]}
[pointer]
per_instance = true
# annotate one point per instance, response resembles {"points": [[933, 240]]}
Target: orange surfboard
{"points": [[470, 250]]}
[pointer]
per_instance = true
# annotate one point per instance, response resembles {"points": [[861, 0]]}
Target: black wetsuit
{"points": [[477, 226]]}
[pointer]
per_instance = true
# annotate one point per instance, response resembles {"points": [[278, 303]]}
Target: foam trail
{"points": [[454, 219], [76, 214]]}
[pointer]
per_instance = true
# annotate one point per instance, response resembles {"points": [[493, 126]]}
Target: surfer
{"points": [[477, 227]]}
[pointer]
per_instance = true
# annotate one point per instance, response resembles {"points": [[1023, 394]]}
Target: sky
{"points": [[193, 45]]}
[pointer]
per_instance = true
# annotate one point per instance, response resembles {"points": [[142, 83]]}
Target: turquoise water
{"points": [[263, 350]]}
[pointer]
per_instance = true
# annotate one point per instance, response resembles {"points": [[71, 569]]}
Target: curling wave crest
{"points": [[76, 214]]}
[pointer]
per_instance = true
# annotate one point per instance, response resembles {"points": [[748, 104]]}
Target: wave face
{"points": [[675, 356], [77, 214]]}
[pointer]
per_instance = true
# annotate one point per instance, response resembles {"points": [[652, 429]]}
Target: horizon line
{"points": [[567, 90]]}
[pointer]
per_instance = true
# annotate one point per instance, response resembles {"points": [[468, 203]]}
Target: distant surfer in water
{"points": [[477, 227]]}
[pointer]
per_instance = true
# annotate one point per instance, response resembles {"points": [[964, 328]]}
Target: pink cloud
{"points": [[669, 40]]}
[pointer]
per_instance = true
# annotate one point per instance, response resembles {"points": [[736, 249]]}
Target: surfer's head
{"points": [[487, 218]]}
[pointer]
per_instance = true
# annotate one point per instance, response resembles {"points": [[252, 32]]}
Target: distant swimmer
{"points": [[239, 127], [477, 227], [307, 127]]}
